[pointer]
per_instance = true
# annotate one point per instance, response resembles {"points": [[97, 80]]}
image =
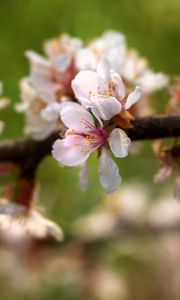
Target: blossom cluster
{"points": [[50, 80], [107, 80]]}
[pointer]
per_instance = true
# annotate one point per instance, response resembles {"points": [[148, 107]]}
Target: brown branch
{"points": [[27, 153], [155, 127]]}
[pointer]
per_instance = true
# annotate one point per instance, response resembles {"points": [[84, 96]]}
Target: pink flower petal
{"points": [[150, 81], [70, 151], [83, 176], [119, 143], [109, 173], [62, 62], [51, 112], [37, 59], [103, 70], [118, 84], [84, 86], [73, 116], [133, 97], [86, 59], [106, 107]]}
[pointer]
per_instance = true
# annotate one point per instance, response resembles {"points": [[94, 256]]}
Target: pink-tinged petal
{"points": [[106, 107], [133, 97], [103, 70], [95, 112], [62, 62], [119, 143], [68, 103], [150, 81], [86, 59], [40, 80], [76, 117], [41, 76], [112, 39], [83, 176], [84, 86], [51, 112], [177, 188], [109, 173], [37, 59], [163, 174], [70, 151], [118, 85]]}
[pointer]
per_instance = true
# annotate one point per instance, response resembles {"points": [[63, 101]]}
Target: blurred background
{"points": [[137, 265]]}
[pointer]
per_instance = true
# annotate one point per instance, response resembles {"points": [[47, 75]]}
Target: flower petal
{"points": [[70, 151], [51, 112], [109, 173], [40, 80], [62, 62], [86, 59], [83, 176], [119, 143], [41, 76], [84, 86], [133, 97], [103, 70], [106, 107], [150, 81], [73, 116], [37, 59], [118, 84]]}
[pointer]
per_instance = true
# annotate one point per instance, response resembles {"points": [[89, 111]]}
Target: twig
{"points": [[28, 153]]}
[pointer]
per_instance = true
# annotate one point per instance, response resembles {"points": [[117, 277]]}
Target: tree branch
{"points": [[27, 153], [155, 127]]}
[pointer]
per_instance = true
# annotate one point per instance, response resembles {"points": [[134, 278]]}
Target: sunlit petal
{"points": [[119, 143], [109, 173]]}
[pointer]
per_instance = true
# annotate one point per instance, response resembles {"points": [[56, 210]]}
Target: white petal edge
{"points": [[74, 115], [66, 153], [106, 107], [119, 85], [84, 85], [51, 112], [62, 62], [134, 97], [83, 176], [103, 70], [109, 173], [37, 59], [119, 143]]}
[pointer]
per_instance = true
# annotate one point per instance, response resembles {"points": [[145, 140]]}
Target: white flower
{"points": [[83, 137], [103, 91], [112, 45], [18, 223], [41, 117], [151, 82]]}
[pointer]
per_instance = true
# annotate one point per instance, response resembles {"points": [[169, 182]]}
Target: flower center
{"points": [[95, 137]]}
